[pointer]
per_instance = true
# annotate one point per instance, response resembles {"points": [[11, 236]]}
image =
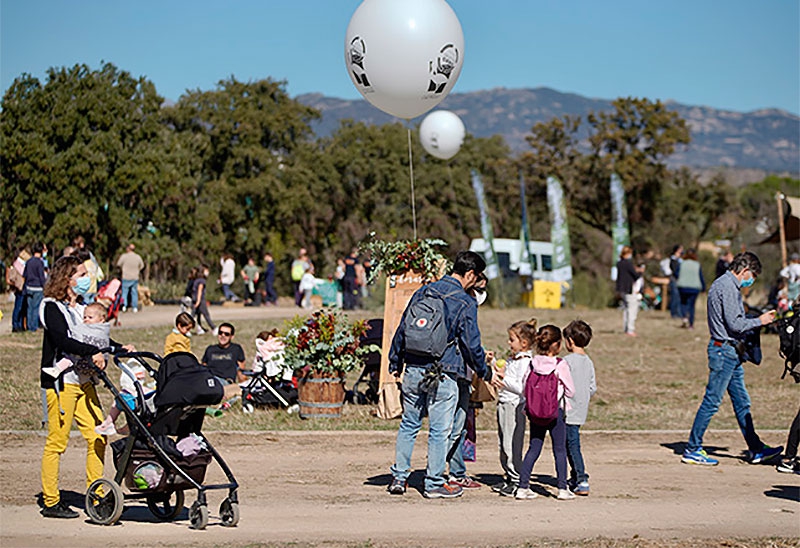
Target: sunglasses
{"points": [[479, 289], [224, 333]]}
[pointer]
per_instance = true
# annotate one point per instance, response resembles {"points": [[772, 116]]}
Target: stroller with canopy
{"points": [[166, 452]]}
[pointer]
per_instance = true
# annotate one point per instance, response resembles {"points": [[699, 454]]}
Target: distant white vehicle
{"points": [[509, 253]]}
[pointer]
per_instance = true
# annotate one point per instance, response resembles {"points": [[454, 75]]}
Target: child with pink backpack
{"points": [[547, 388]]}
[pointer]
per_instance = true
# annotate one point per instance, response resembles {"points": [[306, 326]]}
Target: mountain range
{"points": [[764, 140]]}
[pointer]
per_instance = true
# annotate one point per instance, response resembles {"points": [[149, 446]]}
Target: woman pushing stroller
{"points": [[72, 395]]}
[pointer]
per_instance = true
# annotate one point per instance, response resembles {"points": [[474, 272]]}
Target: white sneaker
{"points": [[565, 494], [135, 310], [106, 429], [214, 331], [524, 494], [200, 331], [124, 308]]}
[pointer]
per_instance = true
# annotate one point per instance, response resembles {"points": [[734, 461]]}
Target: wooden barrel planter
{"points": [[320, 397]]}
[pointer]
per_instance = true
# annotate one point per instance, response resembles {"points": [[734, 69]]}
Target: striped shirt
{"points": [[726, 318]]}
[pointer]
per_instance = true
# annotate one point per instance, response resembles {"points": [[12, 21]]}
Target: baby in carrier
{"points": [[95, 331]]}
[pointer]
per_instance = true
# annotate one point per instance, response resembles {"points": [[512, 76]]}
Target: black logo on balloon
{"points": [[440, 73], [356, 53]]}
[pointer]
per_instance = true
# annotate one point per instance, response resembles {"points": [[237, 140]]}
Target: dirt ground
{"points": [[328, 489]]}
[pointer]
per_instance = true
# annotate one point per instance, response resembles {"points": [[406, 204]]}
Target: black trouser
{"points": [[794, 437]]}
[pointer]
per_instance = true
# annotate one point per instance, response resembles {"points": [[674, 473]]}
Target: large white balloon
{"points": [[441, 134], [404, 56]]}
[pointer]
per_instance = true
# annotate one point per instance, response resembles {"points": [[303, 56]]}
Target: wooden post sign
{"points": [[399, 289]]}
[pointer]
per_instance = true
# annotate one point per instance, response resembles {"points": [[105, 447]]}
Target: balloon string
{"points": [[411, 174]]}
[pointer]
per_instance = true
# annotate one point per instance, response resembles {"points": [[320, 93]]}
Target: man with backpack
{"points": [[437, 339], [728, 327]]}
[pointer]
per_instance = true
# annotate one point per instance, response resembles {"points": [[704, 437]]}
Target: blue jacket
{"points": [[461, 318]]}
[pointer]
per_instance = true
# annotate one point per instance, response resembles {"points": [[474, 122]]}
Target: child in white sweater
{"points": [[511, 419], [576, 338]]}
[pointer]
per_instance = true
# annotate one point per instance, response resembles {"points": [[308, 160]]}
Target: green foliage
{"points": [[400, 256]]}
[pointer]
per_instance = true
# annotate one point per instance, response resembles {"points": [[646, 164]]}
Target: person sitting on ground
{"points": [[225, 360], [178, 339]]}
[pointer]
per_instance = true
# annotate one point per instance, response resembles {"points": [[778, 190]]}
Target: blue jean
{"points": [[440, 407], [228, 293], [133, 287], [455, 443], [577, 469], [34, 298], [725, 373], [688, 298], [557, 431], [18, 315], [674, 300]]}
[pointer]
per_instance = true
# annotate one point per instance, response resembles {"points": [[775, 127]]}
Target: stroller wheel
{"points": [[293, 409], [247, 407], [198, 516], [162, 507], [104, 502], [229, 513]]}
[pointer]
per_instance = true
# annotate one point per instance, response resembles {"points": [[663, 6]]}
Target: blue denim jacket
{"points": [[461, 318]]}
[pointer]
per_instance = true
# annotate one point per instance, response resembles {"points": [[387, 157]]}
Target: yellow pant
{"points": [[81, 403]]}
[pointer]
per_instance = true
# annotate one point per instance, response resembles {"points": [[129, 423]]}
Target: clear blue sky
{"points": [[739, 54]]}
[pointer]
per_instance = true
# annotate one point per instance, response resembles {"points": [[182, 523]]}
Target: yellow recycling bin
{"points": [[546, 294]]}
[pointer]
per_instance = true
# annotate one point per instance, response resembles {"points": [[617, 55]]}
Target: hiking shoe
{"points": [[789, 466], [566, 494], [465, 483], [698, 457], [446, 491], [582, 489], [525, 494], [766, 454], [59, 510], [397, 487], [508, 490]]}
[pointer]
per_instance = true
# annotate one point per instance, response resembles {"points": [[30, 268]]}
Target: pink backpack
{"points": [[541, 397]]}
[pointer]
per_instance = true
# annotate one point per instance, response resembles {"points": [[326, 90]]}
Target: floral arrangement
{"points": [[404, 255], [326, 343]]}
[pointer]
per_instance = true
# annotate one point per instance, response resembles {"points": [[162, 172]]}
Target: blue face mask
{"points": [[82, 285], [748, 282]]}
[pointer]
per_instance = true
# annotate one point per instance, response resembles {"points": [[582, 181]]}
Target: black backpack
{"points": [[789, 333]]}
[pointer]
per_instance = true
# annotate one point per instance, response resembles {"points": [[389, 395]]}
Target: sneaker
{"points": [[465, 483], [397, 487], [135, 310], [225, 406], [508, 490], [789, 466], [698, 457], [566, 494], [444, 492], [214, 331], [766, 454], [59, 510], [582, 489], [497, 487], [201, 331], [525, 494], [124, 308], [106, 429]]}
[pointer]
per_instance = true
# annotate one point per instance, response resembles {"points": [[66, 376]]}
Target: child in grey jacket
{"points": [[577, 336]]}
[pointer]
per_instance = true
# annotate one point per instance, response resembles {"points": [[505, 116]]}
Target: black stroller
{"points": [[148, 461], [265, 391], [365, 389]]}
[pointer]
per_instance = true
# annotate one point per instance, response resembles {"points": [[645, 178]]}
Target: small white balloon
{"points": [[442, 134], [404, 56]]}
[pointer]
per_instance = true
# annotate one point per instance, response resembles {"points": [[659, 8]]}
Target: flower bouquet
{"points": [[420, 256]]}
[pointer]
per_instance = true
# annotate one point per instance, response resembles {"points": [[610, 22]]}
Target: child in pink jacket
{"points": [[546, 360]]}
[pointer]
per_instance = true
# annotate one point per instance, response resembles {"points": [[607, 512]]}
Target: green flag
{"points": [[559, 232], [492, 269]]}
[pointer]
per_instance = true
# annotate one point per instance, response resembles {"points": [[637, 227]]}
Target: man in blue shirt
{"points": [[728, 326], [439, 402], [35, 278]]}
